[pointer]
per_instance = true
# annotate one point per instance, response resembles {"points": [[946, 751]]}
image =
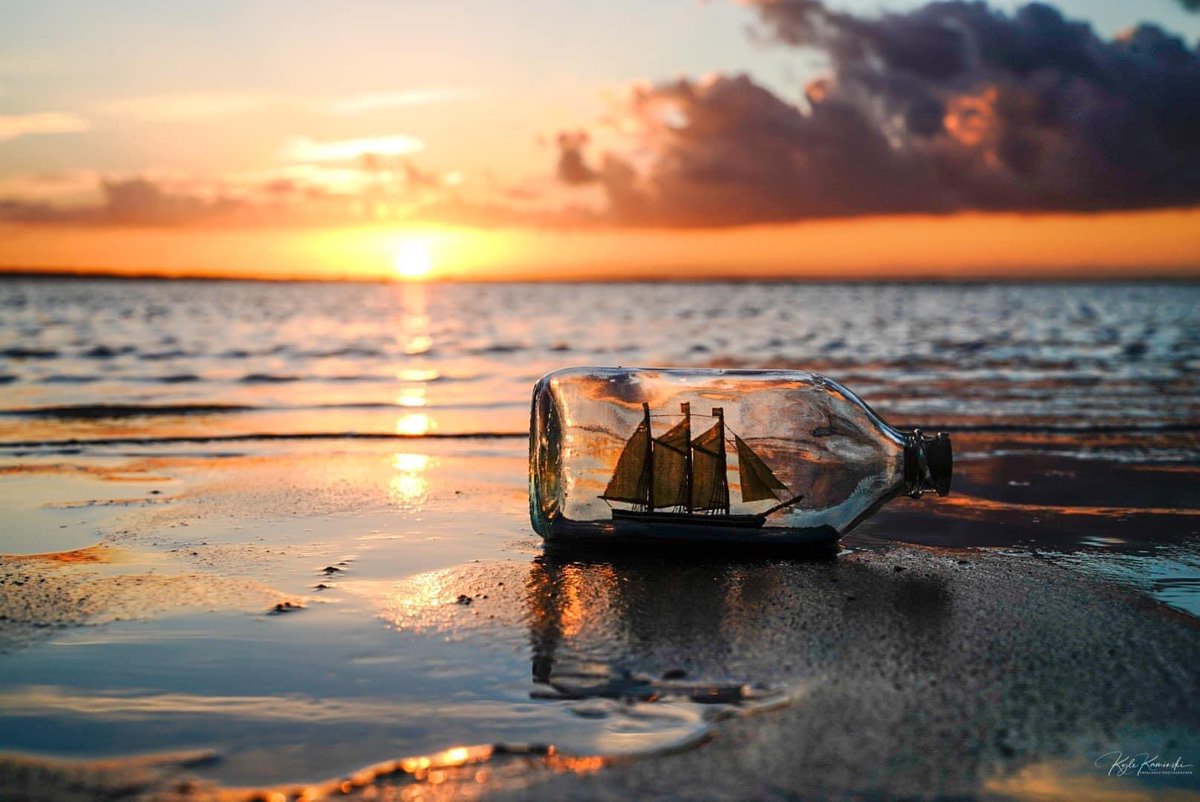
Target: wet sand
{"points": [[925, 673], [374, 618]]}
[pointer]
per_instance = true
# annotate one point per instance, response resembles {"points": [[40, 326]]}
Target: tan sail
{"points": [[670, 468], [758, 482], [710, 490], [629, 480], [673, 471]]}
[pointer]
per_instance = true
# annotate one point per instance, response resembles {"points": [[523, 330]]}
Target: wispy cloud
{"points": [[46, 122], [362, 104], [303, 149], [189, 106], [50, 186]]}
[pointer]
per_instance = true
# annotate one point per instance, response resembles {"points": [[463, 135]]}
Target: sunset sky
{"points": [[536, 139]]}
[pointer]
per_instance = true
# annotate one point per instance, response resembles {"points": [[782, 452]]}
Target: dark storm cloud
{"points": [[951, 106]]}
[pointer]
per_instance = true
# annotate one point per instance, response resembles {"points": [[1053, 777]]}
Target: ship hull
{"points": [[687, 519]]}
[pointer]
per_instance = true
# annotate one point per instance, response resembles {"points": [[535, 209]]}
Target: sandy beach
{"points": [[297, 601], [336, 612]]}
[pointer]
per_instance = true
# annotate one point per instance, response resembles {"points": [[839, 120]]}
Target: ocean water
{"points": [[1079, 377], [194, 453], [147, 360]]}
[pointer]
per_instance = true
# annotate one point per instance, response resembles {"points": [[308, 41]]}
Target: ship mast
{"points": [[687, 453], [719, 414], [649, 458]]}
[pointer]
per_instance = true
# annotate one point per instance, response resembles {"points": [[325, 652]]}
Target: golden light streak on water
{"points": [[408, 486], [412, 397], [410, 606], [418, 344], [418, 374], [414, 424]]}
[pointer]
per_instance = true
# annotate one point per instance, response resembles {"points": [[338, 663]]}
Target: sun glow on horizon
{"points": [[414, 260], [1140, 244]]}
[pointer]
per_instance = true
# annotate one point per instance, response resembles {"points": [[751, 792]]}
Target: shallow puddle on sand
{"points": [[300, 698], [333, 679], [1119, 508], [52, 509], [372, 668]]}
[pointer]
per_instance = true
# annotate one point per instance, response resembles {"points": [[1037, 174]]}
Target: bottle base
{"points": [[637, 532]]}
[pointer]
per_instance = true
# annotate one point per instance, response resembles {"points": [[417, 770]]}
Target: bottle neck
{"points": [[928, 463]]}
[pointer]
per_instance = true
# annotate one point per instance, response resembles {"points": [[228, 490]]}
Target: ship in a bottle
{"points": [[674, 481]]}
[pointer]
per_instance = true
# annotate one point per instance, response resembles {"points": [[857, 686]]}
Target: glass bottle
{"points": [[762, 456]]}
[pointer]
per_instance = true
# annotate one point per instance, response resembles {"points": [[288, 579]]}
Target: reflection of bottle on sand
{"points": [[675, 480], [616, 624], [610, 629]]}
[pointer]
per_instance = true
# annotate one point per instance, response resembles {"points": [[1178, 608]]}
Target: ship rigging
{"points": [[677, 479]]}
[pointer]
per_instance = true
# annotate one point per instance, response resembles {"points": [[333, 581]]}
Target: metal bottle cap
{"points": [[940, 457], [928, 463]]}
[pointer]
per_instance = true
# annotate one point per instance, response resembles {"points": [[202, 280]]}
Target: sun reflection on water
{"points": [[411, 396], [414, 424], [409, 486], [418, 344], [418, 375], [416, 336], [414, 604]]}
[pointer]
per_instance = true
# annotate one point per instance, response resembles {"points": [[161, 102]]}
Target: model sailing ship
{"points": [[673, 480]]}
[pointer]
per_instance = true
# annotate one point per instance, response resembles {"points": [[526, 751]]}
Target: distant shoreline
{"points": [[51, 274]]}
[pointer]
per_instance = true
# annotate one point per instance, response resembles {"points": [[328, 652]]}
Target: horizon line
{"points": [[1191, 275]]}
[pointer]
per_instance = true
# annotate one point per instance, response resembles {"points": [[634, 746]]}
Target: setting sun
{"points": [[414, 260]]}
